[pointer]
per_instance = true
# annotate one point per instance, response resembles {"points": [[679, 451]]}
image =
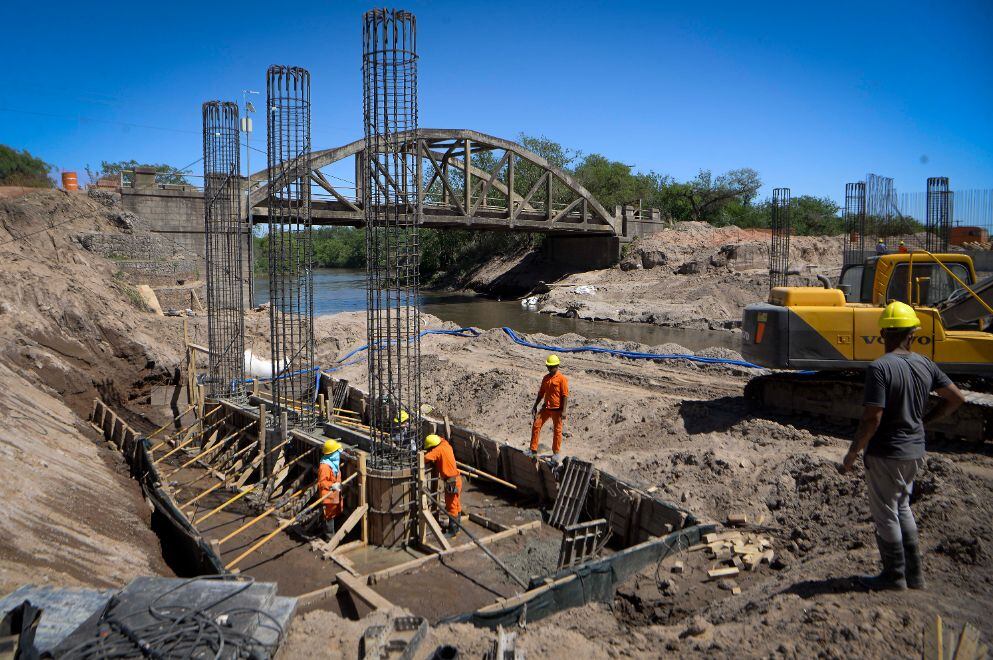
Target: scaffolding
{"points": [[223, 238], [854, 217], [779, 250], [939, 214], [391, 201], [290, 246]]}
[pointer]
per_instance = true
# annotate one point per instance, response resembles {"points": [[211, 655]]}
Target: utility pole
{"points": [[246, 128]]}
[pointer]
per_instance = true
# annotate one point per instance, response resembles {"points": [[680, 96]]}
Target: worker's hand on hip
{"points": [[848, 463]]}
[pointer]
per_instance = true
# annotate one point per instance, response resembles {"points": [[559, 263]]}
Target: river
{"points": [[343, 290]]}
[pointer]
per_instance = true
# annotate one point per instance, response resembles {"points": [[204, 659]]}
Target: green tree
{"points": [[815, 216], [20, 168], [706, 195], [163, 173], [612, 183]]}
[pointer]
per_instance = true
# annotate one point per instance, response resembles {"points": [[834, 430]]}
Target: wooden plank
{"points": [[483, 521], [317, 596], [968, 643], [933, 643], [716, 573], [345, 528], [364, 598], [435, 529]]}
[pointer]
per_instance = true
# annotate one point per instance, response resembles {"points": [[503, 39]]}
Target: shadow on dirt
{"points": [[835, 585]]}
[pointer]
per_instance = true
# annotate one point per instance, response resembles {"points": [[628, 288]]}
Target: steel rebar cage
{"points": [[939, 214], [392, 214], [223, 237], [779, 250], [290, 246]]}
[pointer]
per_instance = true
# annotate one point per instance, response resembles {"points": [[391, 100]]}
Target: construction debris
{"points": [[737, 550]]}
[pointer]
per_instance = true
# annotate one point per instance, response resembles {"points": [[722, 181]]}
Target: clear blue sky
{"points": [[810, 96]]}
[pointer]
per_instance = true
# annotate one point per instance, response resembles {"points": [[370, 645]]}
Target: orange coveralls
{"points": [[442, 459], [553, 388], [326, 478]]}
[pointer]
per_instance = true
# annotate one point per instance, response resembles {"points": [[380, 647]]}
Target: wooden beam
{"points": [[564, 212], [531, 192], [366, 600], [435, 529], [346, 527], [467, 174], [444, 182]]}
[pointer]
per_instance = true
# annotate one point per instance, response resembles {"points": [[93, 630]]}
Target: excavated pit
{"points": [[198, 491]]}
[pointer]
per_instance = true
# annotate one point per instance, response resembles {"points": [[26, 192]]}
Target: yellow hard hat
{"points": [[898, 315], [902, 243], [880, 241], [401, 418], [552, 361], [431, 441], [330, 447]]}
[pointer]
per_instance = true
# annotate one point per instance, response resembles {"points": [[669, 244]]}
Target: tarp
{"points": [[189, 553], [590, 582]]}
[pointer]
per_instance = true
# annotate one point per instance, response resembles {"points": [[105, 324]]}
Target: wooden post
{"points": [[422, 486], [363, 499], [261, 431], [321, 410]]}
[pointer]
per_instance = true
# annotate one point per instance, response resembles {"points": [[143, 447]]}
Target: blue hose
{"points": [[633, 355]]}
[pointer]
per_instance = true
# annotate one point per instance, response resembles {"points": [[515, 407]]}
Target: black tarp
{"points": [[592, 581]]}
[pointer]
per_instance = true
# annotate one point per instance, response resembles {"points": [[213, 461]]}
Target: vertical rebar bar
{"points": [[939, 214], [779, 250], [223, 237], [854, 251], [390, 201], [290, 242]]}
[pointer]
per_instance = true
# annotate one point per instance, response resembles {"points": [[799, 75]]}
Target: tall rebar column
{"points": [[290, 242], [779, 250], [881, 208], [390, 201], [222, 235], [939, 214], [854, 217]]}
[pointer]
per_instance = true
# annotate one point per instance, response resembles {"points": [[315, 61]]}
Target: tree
{"points": [[163, 173], [706, 195], [612, 183], [20, 168], [815, 216]]}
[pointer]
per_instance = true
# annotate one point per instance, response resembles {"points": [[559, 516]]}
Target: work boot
{"points": [[556, 459], [915, 568], [891, 578], [452, 530], [328, 532]]}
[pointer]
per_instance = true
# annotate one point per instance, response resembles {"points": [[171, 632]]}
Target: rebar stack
{"points": [[854, 217], [779, 251], [223, 237], [939, 214], [291, 280], [391, 204]]}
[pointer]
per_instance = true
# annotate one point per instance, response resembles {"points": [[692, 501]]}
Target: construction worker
{"points": [[891, 432], [442, 459], [555, 392], [404, 435], [329, 481], [881, 247], [902, 248]]}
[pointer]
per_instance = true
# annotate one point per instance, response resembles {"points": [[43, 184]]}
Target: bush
{"points": [[20, 168]]}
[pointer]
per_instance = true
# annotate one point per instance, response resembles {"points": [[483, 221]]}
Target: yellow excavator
{"points": [[827, 335]]}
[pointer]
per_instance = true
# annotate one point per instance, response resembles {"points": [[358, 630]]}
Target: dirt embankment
{"points": [[71, 328], [685, 430], [693, 276]]}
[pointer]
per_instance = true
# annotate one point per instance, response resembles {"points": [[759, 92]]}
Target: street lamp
{"points": [[246, 128]]}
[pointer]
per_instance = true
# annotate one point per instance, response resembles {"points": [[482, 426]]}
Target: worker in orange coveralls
{"points": [[442, 459], [329, 481], [555, 391]]}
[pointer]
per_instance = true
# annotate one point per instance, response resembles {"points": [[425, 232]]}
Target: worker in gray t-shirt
{"points": [[891, 432]]}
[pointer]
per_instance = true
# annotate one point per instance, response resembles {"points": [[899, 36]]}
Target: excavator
{"points": [[818, 339]]}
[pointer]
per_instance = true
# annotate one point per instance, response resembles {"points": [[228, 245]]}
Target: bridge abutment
{"points": [[586, 252]]}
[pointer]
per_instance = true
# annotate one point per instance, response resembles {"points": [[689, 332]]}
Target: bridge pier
{"points": [[586, 252]]}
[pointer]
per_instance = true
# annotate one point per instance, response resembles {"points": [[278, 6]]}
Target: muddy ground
{"points": [[71, 329]]}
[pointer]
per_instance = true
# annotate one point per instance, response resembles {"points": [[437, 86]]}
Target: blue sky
{"points": [[810, 96]]}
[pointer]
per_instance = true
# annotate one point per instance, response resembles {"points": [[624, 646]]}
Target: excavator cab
{"points": [[929, 283]]}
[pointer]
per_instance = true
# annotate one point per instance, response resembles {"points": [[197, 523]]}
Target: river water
{"points": [[343, 290]]}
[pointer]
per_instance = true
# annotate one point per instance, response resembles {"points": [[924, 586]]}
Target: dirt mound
{"points": [[72, 328]]}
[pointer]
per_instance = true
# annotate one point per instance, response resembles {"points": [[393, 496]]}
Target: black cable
{"points": [[177, 631]]}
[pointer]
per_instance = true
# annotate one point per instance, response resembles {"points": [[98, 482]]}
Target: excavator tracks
{"points": [[838, 395]]}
